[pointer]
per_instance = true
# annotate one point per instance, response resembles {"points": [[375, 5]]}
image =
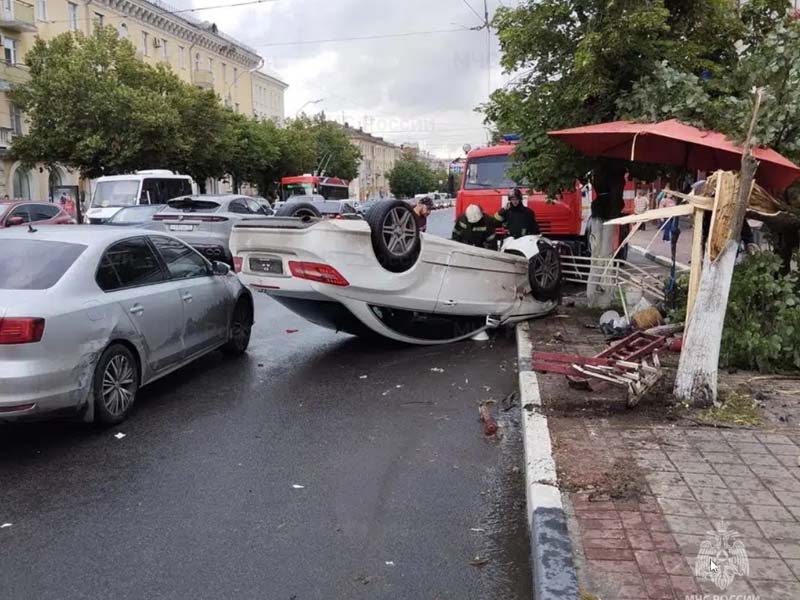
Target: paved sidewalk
{"points": [[648, 491]]}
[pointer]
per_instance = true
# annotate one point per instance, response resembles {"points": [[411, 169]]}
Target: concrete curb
{"points": [[554, 575], [658, 259]]}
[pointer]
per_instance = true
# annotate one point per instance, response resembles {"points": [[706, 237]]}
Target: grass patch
{"points": [[736, 409], [588, 596]]}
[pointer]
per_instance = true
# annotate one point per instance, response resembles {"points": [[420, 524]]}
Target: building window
{"points": [[16, 120], [22, 185], [72, 13], [123, 31], [210, 64], [41, 10], [197, 62], [236, 107], [181, 57], [98, 19], [145, 47], [224, 72], [10, 50], [235, 75], [164, 53]]}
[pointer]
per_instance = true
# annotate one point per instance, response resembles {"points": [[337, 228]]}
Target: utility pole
{"points": [[488, 48]]}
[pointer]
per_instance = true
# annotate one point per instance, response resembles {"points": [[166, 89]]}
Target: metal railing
{"points": [[6, 137], [608, 273]]}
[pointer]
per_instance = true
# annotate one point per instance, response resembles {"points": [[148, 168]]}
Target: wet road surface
{"points": [[281, 475]]}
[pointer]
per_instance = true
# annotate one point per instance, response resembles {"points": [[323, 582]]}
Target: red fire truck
{"points": [[485, 182], [330, 188]]}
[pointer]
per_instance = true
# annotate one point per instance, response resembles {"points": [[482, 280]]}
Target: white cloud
{"points": [[417, 88]]}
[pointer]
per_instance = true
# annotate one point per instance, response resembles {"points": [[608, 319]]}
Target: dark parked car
{"points": [[43, 213]]}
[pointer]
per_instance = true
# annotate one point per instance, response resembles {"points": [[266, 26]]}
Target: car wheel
{"points": [[241, 326], [300, 210], [544, 273], [395, 235], [116, 381]]}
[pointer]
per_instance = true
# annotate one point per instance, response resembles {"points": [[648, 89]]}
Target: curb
{"points": [[658, 259], [554, 575]]}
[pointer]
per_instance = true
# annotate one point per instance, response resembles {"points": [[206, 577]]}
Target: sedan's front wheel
{"points": [[116, 381], [241, 327]]}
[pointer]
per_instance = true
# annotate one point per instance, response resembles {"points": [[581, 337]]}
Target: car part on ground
{"points": [[133, 306], [425, 290]]}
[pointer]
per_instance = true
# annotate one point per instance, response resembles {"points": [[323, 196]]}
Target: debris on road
{"points": [[362, 376], [477, 530], [489, 424], [437, 370], [479, 562], [119, 436], [292, 330], [297, 486], [389, 563], [4, 525]]}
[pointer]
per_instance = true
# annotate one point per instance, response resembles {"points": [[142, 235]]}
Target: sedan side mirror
{"points": [[14, 221], [220, 268]]}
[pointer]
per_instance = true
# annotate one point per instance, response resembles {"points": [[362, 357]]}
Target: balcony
{"points": [[7, 135], [11, 75], [204, 79], [19, 18]]}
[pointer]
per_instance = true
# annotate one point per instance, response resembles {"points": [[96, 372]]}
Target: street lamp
{"points": [[299, 110]]}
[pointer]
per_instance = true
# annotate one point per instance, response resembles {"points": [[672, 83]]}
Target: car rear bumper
{"points": [[32, 388]]}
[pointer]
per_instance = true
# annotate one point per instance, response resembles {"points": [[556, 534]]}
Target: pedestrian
{"points": [[641, 204], [518, 218], [421, 211], [475, 229]]}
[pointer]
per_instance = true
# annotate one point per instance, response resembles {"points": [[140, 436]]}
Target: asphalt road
{"points": [[202, 498]]}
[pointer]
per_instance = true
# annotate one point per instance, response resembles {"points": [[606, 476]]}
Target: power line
{"points": [[474, 12], [360, 38]]}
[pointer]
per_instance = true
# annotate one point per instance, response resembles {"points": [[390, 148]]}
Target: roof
{"points": [[87, 235], [496, 150], [271, 78], [366, 136]]}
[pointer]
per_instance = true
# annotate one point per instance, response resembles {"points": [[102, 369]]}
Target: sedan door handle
{"points": [[137, 309], [187, 297], [449, 302]]}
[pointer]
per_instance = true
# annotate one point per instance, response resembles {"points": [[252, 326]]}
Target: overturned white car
{"points": [[382, 276]]}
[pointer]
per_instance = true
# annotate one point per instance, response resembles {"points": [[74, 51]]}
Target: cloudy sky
{"points": [[418, 88]]}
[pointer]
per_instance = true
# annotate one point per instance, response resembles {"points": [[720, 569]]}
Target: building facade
{"points": [[196, 51], [377, 159], [268, 93]]}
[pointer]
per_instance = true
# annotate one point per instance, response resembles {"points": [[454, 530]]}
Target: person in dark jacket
{"points": [[475, 229], [518, 218]]}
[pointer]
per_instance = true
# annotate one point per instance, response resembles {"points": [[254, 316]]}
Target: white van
{"points": [[112, 193]]}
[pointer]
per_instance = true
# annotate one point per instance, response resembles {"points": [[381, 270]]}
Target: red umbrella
{"points": [[675, 143]]}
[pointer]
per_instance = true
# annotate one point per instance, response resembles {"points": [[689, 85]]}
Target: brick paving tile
{"points": [[739, 436], [761, 460], [632, 520], [749, 447], [688, 508], [722, 457], [680, 524], [703, 480], [770, 568], [704, 434], [768, 513], [626, 505], [663, 541], [601, 524], [734, 470], [683, 585], [763, 497], [689, 543], [794, 565], [640, 540], [712, 495], [606, 543], [659, 587], [748, 529], [596, 514], [694, 466], [648, 561], [675, 563], [649, 504], [776, 590], [608, 554], [788, 498], [788, 550], [712, 446], [774, 472], [773, 438], [720, 510], [780, 530], [739, 587], [613, 566], [603, 534], [655, 521], [743, 484], [795, 510], [760, 548], [679, 491], [783, 484]]}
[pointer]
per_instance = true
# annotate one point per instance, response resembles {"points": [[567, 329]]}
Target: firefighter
{"points": [[475, 229], [518, 218]]}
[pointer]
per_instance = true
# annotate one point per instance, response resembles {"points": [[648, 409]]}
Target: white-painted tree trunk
{"points": [[696, 381], [600, 287]]}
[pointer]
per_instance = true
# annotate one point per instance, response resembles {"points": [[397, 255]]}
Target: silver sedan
{"points": [[88, 315]]}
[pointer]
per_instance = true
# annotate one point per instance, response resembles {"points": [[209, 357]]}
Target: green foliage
{"points": [[575, 59], [762, 323], [411, 176], [735, 409], [92, 106]]}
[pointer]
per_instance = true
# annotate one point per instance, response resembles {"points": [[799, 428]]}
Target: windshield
{"points": [[488, 172], [297, 189], [124, 192], [136, 214], [35, 264]]}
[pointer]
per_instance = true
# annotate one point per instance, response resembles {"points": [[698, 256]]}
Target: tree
{"points": [[336, 154], [410, 176], [573, 61], [254, 150], [94, 107]]}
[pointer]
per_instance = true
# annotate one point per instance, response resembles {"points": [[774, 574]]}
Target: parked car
{"points": [[205, 221], [264, 203], [88, 315], [20, 213], [113, 192], [315, 206], [383, 277], [134, 216]]}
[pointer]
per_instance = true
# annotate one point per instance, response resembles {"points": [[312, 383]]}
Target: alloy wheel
{"points": [[546, 269], [399, 231], [119, 385]]}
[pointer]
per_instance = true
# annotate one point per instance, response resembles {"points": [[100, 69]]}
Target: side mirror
{"points": [[220, 268], [14, 221]]}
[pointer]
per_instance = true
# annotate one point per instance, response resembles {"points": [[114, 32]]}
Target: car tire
{"points": [[544, 273], [300, 210], [240, 328], [116, 382], [395, 235]]}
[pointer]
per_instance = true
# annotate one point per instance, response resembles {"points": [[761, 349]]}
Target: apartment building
{"points": [[197, 51], [268, 92], [377, 159]]}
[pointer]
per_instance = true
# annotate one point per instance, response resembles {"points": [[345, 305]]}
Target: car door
{"points": [[131, 274], [206, 297], [22, 211]]}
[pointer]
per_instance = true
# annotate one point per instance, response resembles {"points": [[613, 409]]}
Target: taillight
{"points": [[237, 264], [317, 272], [21, 330]]}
